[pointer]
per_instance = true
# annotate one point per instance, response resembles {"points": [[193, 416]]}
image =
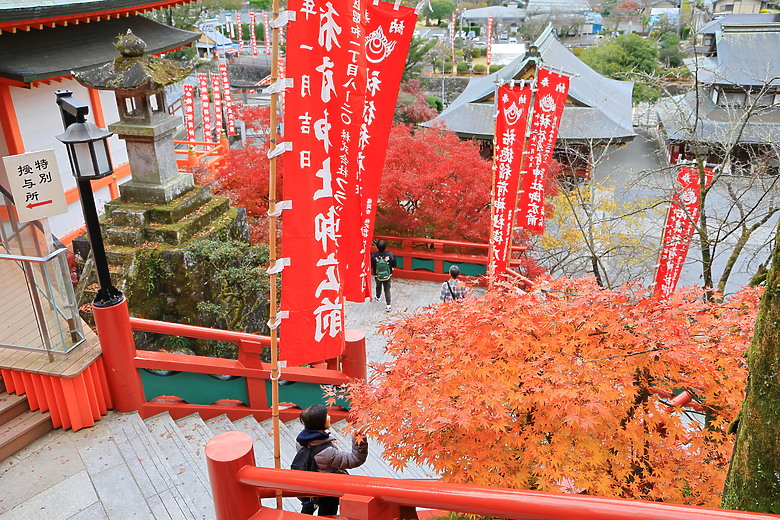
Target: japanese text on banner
{"points": [[552, 89], [511, 121], [681, 222]]}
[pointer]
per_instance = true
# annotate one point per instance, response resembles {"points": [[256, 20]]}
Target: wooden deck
{"points": [[19, 332]]}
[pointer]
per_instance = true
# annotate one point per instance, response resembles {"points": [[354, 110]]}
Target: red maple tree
{"points": [[551, 390], [243, 174]]}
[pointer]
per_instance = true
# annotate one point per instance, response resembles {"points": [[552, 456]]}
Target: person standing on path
{"points": [[382, 265], [453, 289]]}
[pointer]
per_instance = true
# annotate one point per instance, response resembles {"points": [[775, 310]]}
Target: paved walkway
{"points": [[69, 475]]}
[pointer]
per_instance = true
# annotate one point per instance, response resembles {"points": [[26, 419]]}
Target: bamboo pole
{"points": [[272, 224]]}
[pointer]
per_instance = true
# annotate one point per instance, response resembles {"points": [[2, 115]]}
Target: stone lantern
{"points": [[138, 81]]}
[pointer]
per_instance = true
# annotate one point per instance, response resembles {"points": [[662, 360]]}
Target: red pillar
{"points": [[353, 363], [118, 347], [227, 453]]}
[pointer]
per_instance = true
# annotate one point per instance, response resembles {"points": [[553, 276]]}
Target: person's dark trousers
{"points": [[379, 285], [327, 506], [308, 507]]}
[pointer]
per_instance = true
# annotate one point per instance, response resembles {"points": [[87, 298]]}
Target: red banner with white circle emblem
{"points": [[388, 36], [552, 89], [511, 121], [680, 225]]}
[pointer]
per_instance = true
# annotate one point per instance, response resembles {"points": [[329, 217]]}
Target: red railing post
{"points": [[118, 347], [227, 453], [353, 363], [360, 507]]}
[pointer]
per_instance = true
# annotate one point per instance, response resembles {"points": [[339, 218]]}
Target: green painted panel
{"points": [[205, 389], [422, 264], [466, 268], [193, 388], [399, 262], [302, 395]]}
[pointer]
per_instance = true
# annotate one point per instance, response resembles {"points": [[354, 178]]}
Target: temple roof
{"points": [[746, 55], [716, 124], [38, 14], [597, 108], [28, 56]]}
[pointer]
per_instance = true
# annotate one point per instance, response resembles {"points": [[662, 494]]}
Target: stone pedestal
{"points": [[150, 149]]}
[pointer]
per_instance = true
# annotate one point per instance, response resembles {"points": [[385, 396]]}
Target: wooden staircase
{"points": [[19, 426]]}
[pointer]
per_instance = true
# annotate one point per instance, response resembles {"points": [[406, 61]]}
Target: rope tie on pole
{"points": [[283, 19], [280, 148], [279, 207], [279, 85], [280, 264], [278, 321]]}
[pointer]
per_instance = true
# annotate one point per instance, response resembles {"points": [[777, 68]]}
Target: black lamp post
{"points": [[87, 146]]}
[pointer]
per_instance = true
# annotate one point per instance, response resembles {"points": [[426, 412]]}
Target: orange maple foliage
{"points": [[550, 390]]}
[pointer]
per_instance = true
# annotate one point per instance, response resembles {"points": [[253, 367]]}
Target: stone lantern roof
{"points": [[134, 70]]}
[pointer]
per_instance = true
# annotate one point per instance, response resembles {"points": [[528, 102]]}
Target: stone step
{"points": [[187, 227], [130, 473], [180, 455], [197, 433], [220, 424], [124, 236]]}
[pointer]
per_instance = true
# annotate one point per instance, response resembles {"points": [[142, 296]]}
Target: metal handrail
{"points": [[36, 259]]}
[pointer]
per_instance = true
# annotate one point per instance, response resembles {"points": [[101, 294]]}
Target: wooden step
{"points": [[22, 430], [11, 405]]}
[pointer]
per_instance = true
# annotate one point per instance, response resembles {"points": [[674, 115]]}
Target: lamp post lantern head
{"points": [[87, 146], [86, 143]]}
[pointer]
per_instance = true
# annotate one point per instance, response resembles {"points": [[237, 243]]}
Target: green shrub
{"points": [[495, 68], [435, 102], [478, 68], [463, 67]]}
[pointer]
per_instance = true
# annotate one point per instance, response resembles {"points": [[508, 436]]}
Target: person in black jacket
{"points": [[382, 273], [316, 422]]}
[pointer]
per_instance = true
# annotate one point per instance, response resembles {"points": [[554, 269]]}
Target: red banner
{"points": [[388, 36], [216, 93], [681, 222], [230, 114], [325, 58], [203, 81], [240, 34], [552, 89], [266, 35], [489, 52], [511, 121], [189, 112], [252, 35]]}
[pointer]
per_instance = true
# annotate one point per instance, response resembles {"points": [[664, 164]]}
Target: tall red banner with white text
{"points": [[512, 104], [551, 92], [681, 222], [388, 36], [489, 51], [230, 114], [240, 34], [326, 61], [205, 107], [252, 33], [189, 112]]}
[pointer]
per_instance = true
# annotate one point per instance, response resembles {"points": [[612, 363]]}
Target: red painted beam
{"points": [[481, 500]]}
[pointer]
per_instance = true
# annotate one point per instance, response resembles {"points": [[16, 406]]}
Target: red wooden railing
{"points": [[123, 361], [237, 483], [429, 258], [189, 157]]}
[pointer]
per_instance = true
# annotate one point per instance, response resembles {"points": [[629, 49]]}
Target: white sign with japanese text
{"points": [[35, 183]]}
